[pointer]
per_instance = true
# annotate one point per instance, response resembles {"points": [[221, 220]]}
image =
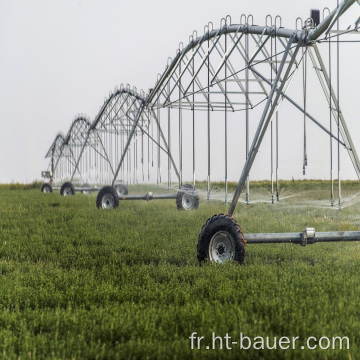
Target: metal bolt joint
{"points": [[308, 236]]}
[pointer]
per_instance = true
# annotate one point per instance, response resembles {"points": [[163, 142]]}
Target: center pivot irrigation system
{"points": [[99, 151], [236, 69]]}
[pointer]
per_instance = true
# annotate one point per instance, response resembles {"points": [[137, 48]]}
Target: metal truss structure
{"points": [[219, 77], [222, 76], [64, 149], [91, 151]]}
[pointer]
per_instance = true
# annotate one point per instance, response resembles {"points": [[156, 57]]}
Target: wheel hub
{"points": [[120, 190], [188, 202], [221, 247], [67, 191], [107, 201]]}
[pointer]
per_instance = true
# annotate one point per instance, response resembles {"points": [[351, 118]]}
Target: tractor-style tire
{"points": [[220, 240], [121, 189], [107, 198], [67, 189], [187, 198], [46, 188]]}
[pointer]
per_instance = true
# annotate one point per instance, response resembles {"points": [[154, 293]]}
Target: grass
{"points": [[81, 283]]}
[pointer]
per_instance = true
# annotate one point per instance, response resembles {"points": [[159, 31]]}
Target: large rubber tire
{"points": [[121, 189], [187, 198], [67, 189], [107, 198], [46, 188], [220, 240]]}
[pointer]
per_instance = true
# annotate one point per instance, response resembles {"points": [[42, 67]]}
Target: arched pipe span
{"points": [[56, 144], [73, 127], [135, 124], [307, 37], [118, 92]]}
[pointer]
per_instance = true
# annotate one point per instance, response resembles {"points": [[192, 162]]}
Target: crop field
{"points": [[82, 283]]}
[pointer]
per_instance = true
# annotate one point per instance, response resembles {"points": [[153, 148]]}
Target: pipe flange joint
{"points": [[303, 238], [306, 235]]}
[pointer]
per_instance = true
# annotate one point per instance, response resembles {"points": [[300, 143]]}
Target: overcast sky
{"points": [[59, 58]]}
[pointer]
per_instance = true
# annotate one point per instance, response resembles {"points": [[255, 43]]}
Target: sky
{"points": [[60, 58]]}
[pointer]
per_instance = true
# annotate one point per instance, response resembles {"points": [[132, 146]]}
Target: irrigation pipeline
{"points": [[307, 237]]}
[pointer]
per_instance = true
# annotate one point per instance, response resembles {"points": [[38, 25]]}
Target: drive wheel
{"points": [[121, 189], [67, 189], [187, 198], [107, 198], [221, 240], [46, 188]]}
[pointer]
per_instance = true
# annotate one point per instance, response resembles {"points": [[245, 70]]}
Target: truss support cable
{"points": [[152, 144], [247, 140], [106, 154], [136, 159], [148, 148], [128, 174], [283, 94], [158, 178], [338, 107], [169, 144], [127, 161], [304, 95], [330, 125], [277, 129], [180, 133], [271, 129], [272, 162], [265, 119], [142, 156], [137, 117], [193, 124], [226, 127], [122, 150], [81, 152], [348, 143], [166, 147], [208, 125]]}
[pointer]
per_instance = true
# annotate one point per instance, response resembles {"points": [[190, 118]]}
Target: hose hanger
{"points": [[266, 20], [297, 21], [326, 12], [226, 19], [278, 21]]}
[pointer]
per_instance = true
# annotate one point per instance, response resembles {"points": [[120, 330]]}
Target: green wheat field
{"points": [[82, 283]]}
